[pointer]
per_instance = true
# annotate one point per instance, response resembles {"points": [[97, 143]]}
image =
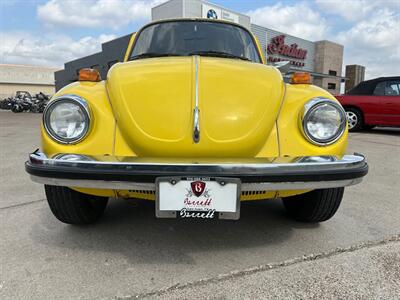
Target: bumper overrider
{"points": [[127, 173]]}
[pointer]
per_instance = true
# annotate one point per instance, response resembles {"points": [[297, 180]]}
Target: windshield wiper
{"points": [[152, 54], [219, 54]]}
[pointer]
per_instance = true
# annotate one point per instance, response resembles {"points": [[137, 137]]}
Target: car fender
{"points": [[291, 139], [100, 139]]}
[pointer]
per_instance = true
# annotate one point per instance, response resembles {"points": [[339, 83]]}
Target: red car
{"points": [[372, 103]]}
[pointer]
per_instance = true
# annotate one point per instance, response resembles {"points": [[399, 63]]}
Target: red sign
{"points": [[278, 46]]}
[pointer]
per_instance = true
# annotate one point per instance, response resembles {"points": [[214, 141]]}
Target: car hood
{"points": [[154, 102]]}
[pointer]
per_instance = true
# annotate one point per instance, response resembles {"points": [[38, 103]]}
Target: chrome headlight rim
{"points": [[309, 108], [68, 98], [71, 157]]}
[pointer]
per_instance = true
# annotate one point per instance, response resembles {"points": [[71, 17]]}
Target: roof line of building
{"points": [[286, 34], [226, 9], [31, 66], [28, 83]]}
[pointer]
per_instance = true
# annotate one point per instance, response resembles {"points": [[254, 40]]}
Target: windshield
{"points": [[183, 38]]}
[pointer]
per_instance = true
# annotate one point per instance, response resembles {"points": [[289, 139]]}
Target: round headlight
{"points": [[323, 121], [67, 119]]}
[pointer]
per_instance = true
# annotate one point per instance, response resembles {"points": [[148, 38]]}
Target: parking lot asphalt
{"points": [[130, 253]]}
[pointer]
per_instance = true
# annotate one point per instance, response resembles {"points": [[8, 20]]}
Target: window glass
{"points": [[333, 73], [331, 86], [392, 88], [380, 89], [186, 37]]}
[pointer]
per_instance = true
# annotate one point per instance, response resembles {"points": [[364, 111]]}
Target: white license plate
{"points": [[198, 197]]}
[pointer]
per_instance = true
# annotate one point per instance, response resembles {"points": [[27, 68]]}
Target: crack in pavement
{"points": [[266, 267], [21, 204]]}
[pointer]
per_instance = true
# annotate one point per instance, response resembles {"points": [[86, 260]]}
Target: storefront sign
{"points": [[278, 46], [213, 12]]}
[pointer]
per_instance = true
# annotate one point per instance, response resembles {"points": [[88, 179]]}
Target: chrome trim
{"points": [[196, 126], [67, 98], [309, 108], [196, 78], [287, 186], [236, 168], [262, 186], [254, 166], [95, 184], [196, 111]]}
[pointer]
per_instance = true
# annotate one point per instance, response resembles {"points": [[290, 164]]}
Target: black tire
{"points": [[355, 119], [16, 108], [72, 207], [315, 206]]}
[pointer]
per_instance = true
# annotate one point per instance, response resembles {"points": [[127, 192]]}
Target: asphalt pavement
{"points": [[131, 254]]}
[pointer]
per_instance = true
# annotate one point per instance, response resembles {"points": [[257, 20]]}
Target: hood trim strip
{"points": [[196, 111]]}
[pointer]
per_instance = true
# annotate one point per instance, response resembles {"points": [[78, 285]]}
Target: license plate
{"points": [[198, 197]]}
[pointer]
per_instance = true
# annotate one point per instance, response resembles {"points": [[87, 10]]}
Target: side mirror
{"points": [[282, 66]]}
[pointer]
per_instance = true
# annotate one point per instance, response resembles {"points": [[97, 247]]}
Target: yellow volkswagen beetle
{"points": [[194, 120]]}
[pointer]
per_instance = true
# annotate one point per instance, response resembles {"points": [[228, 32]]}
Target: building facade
{"points": [[354, 74], [323, 59], [32, 79], [111, 52], [328, 61]]}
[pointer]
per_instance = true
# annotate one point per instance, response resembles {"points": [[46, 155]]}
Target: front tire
{"points": [[72, 207], [355, 119], [315, 206]]}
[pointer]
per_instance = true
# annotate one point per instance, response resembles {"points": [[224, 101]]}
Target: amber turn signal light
{"points": [[300, 78], [89, 75]]}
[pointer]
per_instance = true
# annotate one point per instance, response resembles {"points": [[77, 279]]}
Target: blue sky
{"points": [[22, 15], [50, 32]]}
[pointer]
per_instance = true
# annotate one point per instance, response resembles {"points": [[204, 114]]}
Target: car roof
{"points": [[367, 87]]}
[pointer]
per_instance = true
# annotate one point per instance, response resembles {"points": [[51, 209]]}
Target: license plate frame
{"points": [[222, 181]]}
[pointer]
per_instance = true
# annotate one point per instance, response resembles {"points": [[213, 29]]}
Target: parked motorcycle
{"points": [[23, 101], [6, 104]]}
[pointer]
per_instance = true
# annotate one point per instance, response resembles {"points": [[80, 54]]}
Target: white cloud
{"points": [[51, 51], [350, 10], [298, 19], [354, 10], [374, 43], [95, 13], [371, 39]]}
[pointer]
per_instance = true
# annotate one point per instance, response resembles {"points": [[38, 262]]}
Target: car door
{"points": [[390, 102], [371, 105]]}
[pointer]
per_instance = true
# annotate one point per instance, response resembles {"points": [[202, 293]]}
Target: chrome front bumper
{"points": [[258, 174]]}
